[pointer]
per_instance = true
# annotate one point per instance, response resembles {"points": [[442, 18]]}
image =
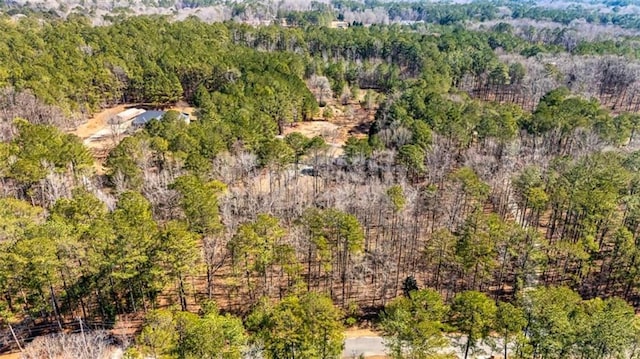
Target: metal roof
{"points": [[126, 115], [147, 116]]}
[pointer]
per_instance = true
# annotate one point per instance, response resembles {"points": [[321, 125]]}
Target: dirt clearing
{"points": [[98, 134], [98, 122], [330, 132], [351, 120]]}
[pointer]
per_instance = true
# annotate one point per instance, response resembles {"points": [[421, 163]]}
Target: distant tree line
{"points": [[128, 62]]}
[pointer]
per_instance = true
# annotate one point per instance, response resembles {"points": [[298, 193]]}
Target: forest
{"points": [[490, 198]]}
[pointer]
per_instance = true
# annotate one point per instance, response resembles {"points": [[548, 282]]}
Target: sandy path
{"points": [[357, 332]]}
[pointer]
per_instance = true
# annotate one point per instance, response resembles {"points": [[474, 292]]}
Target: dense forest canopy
{"points": [[486, 190]]}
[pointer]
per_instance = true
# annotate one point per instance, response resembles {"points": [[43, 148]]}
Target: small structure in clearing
{"points": [[104, 130], [141, 119], [339, 25], [125, 116]]}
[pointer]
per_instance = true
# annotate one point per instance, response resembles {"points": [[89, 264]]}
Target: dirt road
{"points": [[367, 346], [371, 346]]}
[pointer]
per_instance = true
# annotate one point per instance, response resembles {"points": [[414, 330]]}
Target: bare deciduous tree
{"points": [[84, 345]]}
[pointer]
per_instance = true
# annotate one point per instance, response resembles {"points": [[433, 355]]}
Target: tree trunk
{"points": [[54, 304], [13, 334], [181, 293], [209, 282], [466, 349], [506, 343]]}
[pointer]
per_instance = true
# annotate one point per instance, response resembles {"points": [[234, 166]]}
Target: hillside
{"points": [[463, 177]]}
